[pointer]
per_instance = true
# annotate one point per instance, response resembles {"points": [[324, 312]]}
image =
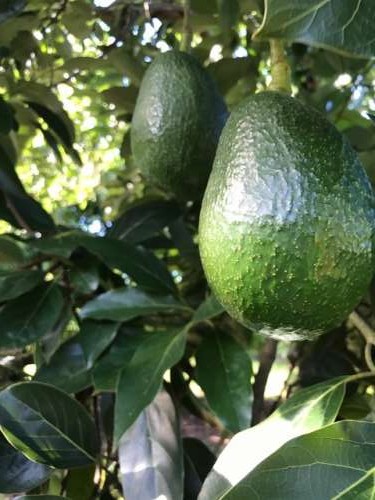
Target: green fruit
{"points": [[287, 221], [177, 121]]}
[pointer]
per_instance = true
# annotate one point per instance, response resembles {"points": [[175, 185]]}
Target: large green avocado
{"points": [[176, 125], [287, 221]]}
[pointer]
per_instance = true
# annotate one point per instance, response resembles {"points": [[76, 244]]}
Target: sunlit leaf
{"points": [[150, 453], [346, 27], [47, 425]]}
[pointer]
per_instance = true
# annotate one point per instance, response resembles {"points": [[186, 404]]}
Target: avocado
{"points": [[287, 221], [177, 121]]}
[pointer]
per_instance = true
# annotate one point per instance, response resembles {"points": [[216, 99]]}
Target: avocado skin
{"points": [[287, 221], [177, 121]]}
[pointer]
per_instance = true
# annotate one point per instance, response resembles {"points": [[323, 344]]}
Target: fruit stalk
{"points": [[187, 31], [280, 69]]}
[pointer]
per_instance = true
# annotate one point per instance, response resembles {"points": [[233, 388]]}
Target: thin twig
{"points": [[361, 325]]}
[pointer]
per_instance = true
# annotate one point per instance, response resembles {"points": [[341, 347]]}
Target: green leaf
{"points": [[224, 373], [10, 8], [30, 317], [41, 497], [124, 304], [229, 11], [148, 271], [18, 473], [227, 71], [316, 465], [150, 453], [53, 120], [363, 489], [122, 97], [208, 309], [107, 368], [6, 117], [80, 483], [142, 266], [307, 410], [15, 283], [70, 366], [345, 27], [47, 425], [144, 220], [141, 378]]}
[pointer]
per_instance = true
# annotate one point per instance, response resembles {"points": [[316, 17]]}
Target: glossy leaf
{"points": [[124, 304], [150, 453], [70, 366], [224, 373], [208, 309], [346, 27], [142, 266], [307, 410], [15, 283], [30, 317], [316, 465], [144, 220], [47, 425], [18, 473], [141, 378], [108, 367]]}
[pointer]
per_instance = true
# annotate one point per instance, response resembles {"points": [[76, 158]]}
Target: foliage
{"points": [[118, 369]]}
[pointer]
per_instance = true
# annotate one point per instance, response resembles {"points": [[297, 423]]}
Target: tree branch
{"points": [[267, 357]]}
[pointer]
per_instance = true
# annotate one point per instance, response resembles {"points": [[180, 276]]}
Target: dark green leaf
{"points": [[307, 410], [144, 220], [18, 473], [208, 309], [141, 265], [140, 380], [6, 116], [229, 11], [30, 317], [150, 453], [15, 283], [226, 72], [47, 425], [10, 8], [108, 367], [70, 367], [122, 97], [55, 122], [124, 304], [346, 27], [198, 461], [224, 372], [148, 271], [84, 277], [317, 465]]}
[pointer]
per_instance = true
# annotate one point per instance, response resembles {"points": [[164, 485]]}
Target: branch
{"points": [[267, 357], [21, 221]]}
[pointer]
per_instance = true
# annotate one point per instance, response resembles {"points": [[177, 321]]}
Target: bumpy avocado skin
{"points": [[287, 221], [177, 121]]}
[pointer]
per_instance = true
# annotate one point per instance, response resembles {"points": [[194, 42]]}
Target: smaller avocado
{"points": [[177, 121]]}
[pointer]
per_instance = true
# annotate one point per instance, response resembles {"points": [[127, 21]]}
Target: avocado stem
{"points": [[280, 69], [187, 30]]}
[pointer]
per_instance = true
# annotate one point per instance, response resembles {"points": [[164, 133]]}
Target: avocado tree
{"points": [[122, 374]]}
